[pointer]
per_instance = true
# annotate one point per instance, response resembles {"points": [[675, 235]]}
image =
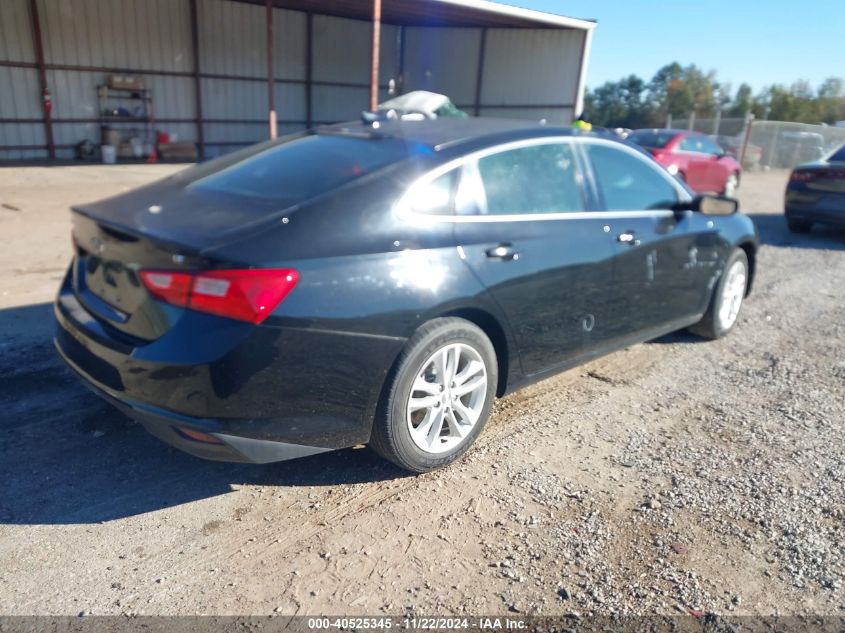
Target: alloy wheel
{"points": [[447, 398], [732, 294]]}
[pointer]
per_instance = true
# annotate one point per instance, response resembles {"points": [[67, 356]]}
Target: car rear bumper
{"points": [[251, 393], [827, 209]]}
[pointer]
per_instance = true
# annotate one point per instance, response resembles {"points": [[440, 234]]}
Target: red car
{"points": [[695, 158]]}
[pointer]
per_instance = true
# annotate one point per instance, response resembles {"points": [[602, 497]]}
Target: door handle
{"points": [[505, 252], [628, 237]]}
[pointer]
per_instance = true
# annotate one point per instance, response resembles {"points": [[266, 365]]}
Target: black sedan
{"points": [[816, 193], [383, 282]]}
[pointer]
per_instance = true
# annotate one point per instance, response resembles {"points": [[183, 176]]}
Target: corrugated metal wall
{"points": [[144, 35], [19, 94], [537, 68], [443, 60], [342, 56], [526, 73]]}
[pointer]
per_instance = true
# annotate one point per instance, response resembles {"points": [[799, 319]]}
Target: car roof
{"points": [[447, 131], [657, 130]]}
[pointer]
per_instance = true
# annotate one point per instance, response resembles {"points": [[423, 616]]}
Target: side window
{"points": [[629, 183], [691, 144], [534, 179], [709, 146], [436, 197]]}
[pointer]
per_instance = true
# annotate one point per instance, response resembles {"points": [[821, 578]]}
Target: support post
{"points": [[309, 69], [38, 44], [195, 47], [400, 79], [479, 71], [271, 83], [374, 67], [746, 134]]}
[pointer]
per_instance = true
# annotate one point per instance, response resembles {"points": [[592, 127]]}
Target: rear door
{"points": [[663, 260], [527, 235]]}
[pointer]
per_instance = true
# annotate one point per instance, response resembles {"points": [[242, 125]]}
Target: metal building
{"points": [[216, 68]]}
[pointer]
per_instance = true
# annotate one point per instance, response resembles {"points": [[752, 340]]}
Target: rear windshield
{"points": [[838, 156], [296, 170], [649, 138]]}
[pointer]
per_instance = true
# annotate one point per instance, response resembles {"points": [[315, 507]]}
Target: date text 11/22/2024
{"points": [[418, 623]]}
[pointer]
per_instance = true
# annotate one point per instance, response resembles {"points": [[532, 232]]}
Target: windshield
{"points": [[296, 170], [652, 138]]}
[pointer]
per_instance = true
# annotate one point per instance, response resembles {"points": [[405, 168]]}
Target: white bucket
{"points": [[109, 153]]}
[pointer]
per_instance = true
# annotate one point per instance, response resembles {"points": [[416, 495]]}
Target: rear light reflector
{"points": [[802, 176], [245, 295], [196, 436]]}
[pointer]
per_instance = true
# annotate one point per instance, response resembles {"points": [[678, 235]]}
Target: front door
{"points": [[663, 260], [544, 260]]}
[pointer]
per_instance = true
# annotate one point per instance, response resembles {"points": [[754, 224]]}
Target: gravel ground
{"points": [[678, 476]]}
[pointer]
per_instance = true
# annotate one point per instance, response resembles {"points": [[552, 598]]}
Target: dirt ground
{"points": [[672, 477]]}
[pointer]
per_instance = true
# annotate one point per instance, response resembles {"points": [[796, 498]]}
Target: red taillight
{"points": [[246, 295], [802, 176]]}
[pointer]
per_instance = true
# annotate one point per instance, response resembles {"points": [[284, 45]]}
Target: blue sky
{"points": [[760, 42]]}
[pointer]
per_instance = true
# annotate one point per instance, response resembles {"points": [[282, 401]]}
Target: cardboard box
{"points": [[125, 82], [178, 151]]}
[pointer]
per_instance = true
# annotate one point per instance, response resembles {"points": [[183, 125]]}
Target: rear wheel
{"points": [[798, 226], [725, 305], [439, 397]]}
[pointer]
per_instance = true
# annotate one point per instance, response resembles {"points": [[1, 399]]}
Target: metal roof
{"points": [[438, 13]]}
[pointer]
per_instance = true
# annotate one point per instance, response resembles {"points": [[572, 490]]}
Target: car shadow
{"points": [[68, 457], [681, 336], [774, 232]]}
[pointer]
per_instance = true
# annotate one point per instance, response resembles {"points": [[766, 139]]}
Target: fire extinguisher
{"points": [[47, 99]]}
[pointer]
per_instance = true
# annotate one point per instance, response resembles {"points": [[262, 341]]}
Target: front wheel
{"points": [[723, 312], [731, 185], [439, 397]]}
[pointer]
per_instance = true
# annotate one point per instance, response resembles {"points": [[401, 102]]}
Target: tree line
{"points": [[679, 90]]}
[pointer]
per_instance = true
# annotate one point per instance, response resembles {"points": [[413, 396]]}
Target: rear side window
{"points": [[629, 183], [436, 197], [535, 179], [299, 169]]}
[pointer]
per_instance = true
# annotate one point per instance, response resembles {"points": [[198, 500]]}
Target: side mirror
{"points": [[710, 205]]}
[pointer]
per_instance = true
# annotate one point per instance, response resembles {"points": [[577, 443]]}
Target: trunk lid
{"points": [[106, 281], [182, 217]]}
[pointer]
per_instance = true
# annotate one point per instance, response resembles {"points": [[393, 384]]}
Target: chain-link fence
{"points": [[771, 144], [716, 126], [783, 145]]}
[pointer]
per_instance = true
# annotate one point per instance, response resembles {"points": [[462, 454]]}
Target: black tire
{"points": [[391, 437], [798, 226], [711, 326]]}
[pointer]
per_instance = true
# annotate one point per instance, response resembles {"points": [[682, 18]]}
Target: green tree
{"points": [[743, 101], [679, 90]]}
